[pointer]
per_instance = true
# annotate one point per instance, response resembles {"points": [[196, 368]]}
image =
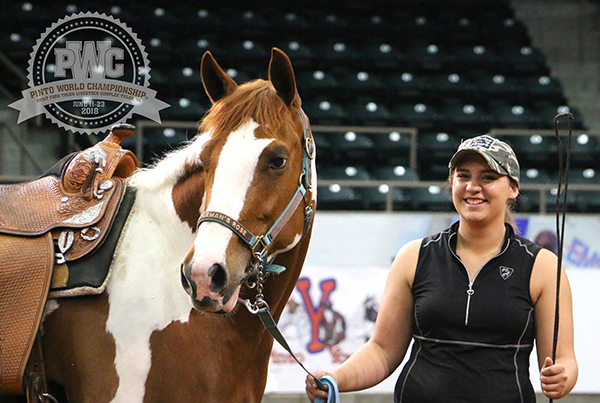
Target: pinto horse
{"points": [[148, 340]]}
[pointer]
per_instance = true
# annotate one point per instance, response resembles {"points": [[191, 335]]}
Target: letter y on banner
{"points": [[315, 314]]}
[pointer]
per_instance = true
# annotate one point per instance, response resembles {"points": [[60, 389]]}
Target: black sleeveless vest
{"points": [[472, 340]]}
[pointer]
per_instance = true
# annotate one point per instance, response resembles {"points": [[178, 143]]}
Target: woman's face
{"points": [[478, 192]]}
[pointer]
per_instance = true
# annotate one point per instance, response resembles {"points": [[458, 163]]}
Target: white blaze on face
{"points": [[233, 177]]}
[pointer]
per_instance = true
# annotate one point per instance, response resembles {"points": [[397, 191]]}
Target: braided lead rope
{"points": [[561, 213]]}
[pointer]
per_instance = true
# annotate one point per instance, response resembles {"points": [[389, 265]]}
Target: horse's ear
{"points": [[281, 75], [216, 82]]}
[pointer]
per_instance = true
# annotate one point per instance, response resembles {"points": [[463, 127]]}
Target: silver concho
{"points": [[106, 185], [86, 216], [96, 155], [65, 240], [96, 230]]}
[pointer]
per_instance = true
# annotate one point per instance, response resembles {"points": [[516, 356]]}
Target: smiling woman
{"points": [[497, 161], [474, 298]]}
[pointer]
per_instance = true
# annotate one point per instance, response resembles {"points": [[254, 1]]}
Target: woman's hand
{"points": [[554, 379], [312, 391]]}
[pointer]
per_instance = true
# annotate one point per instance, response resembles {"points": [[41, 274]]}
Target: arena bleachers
{"points": [[448, 70]]}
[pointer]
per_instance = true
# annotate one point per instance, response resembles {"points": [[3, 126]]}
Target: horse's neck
{"points": [[156, 213], [155, 240], [278, 291]]}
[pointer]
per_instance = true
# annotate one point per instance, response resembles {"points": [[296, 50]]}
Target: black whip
{"points": [[561, 213]]}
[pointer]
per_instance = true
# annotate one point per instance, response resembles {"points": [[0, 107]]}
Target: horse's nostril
{"points": [[185, 282], [218, 277]]}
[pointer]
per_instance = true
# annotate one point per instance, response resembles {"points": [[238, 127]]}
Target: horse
{"points": [[168, 327]]}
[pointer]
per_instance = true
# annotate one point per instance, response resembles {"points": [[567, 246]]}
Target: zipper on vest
{"points": [[470, 292]]}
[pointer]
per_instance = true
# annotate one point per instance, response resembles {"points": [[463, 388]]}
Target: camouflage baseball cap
{"points": [[499, 155]]}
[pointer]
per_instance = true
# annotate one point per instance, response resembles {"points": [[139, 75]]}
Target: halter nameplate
{"points": [[229, 222]]}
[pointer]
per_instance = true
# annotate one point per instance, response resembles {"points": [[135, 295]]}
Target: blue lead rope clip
{"points": [[334, 393]]}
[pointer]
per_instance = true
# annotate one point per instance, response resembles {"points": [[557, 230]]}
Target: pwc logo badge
{"points": [[87, 72]]}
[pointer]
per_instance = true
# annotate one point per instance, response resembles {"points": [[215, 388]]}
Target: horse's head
{"points": [[257, 172]]}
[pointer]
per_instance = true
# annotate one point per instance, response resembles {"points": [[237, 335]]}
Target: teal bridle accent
{"points": [[259, 245]]}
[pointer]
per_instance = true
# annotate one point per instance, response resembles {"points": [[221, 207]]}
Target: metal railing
{"points": [[542, 189]]}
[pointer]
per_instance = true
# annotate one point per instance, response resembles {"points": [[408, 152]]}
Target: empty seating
{"points": [[450, 85], [394, 173], [317, 82], [514, 116], [421, 115], [368, 112], [524, 60], [392, 148], [460, 117], [450, 70], [435, 151], [533, 151], [341, 196], [432, 198], [184, 108], [541, 87], [336, 197], [405, 86], [584, 151], [326, 111], [350, 147], [495, 84]]}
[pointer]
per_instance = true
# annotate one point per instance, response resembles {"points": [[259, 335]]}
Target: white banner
{"points": [[330, 314]]}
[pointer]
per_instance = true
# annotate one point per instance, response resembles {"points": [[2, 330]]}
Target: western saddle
{"points": [[44, 224]]}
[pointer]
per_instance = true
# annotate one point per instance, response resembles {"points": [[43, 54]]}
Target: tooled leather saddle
{"points": [[47, 226]]}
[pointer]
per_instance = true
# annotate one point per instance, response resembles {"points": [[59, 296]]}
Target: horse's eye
{"points": [[278, 163]]}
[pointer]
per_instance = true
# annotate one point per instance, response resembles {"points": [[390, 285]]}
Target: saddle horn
{"points": [[100, 162]]}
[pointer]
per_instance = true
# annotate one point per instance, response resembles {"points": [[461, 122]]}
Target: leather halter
{"points": [[260, 244]]}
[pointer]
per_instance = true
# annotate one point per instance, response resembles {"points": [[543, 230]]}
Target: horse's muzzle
{"points": [[208, 288]]}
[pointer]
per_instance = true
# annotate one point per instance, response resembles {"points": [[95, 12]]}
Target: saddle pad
{"points": [[89, 274], [36, 207], [25, 274]]}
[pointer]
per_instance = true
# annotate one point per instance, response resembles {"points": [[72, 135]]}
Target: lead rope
{"points": [[561, 213], [260, 307]]}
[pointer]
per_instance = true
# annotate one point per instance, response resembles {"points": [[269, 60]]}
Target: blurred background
{"points": [[390, 87]]}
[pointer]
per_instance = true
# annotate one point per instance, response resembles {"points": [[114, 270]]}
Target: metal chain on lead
{"points": [[259, 285], [259, 301]]}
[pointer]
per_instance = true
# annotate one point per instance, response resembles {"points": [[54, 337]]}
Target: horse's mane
{"points": [[255, 99]]}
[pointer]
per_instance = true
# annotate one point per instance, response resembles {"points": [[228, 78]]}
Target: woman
{"points": [[473, 298]]}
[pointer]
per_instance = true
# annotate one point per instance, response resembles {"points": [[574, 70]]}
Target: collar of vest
{"points": [[509, 233]]}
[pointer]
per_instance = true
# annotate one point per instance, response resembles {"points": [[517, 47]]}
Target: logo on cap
{"points": [[481, 142]]}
